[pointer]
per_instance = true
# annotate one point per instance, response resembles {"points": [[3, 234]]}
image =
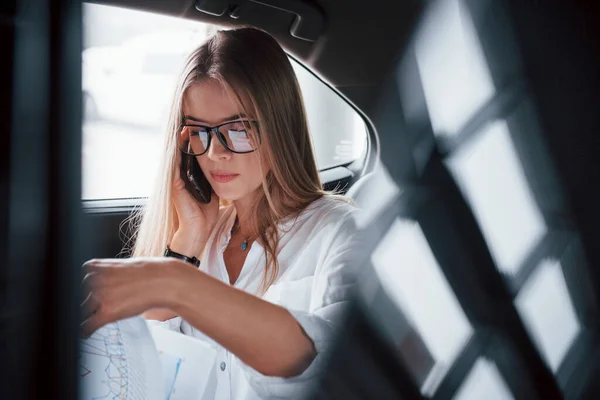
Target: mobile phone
{"points": [[194, 179]]}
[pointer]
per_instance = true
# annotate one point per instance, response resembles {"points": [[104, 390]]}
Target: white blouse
{"points": [[315, 281]]}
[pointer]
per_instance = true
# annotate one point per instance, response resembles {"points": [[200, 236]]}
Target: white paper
{"points": [[188, 365], [119, 361]]}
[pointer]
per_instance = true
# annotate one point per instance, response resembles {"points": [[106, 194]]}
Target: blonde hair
{"points": [[254, 69]]}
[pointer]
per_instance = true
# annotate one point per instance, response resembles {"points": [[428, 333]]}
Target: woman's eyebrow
{"points": [[232, 118]]}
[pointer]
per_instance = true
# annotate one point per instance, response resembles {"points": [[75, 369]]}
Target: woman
{"points": [[275, 249]]}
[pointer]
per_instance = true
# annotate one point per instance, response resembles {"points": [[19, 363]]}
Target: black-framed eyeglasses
{"points": [[239, 137]]}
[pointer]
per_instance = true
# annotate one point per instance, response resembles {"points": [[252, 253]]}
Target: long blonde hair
{"points": [[254, 69]]}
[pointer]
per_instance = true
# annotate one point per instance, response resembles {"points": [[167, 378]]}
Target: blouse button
{"points": [[223, 366]]}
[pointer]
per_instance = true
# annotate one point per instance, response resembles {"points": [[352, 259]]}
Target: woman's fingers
{"points": [[184, 202], [191, 215], [89, 306], [114, 289], [93, 323], [99, 307], [177, 176], [94, 284], [86, 327]]}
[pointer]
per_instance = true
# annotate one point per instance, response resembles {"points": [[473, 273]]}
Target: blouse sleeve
{"points": [[333, 285]]}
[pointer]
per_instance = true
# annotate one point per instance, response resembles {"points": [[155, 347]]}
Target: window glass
{"points": [[483, 382], [411, 277], [545, 306], [131, 61], [454, 73], [338, 132], [492, 179], [161, 64]]}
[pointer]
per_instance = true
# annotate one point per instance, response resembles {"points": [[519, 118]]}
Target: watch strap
{"points": [[192, 260]]}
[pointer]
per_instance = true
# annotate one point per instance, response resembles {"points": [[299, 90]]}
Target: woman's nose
{"points": [[217, 151]]}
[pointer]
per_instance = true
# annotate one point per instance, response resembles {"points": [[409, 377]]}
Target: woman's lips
{"points": [[223, 177]]}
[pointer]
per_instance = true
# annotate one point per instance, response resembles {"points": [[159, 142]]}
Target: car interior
{"points": [[471, 145]]}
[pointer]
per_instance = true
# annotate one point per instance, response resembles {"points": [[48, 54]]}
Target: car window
{"points": [[131, 60], [161, 64]]}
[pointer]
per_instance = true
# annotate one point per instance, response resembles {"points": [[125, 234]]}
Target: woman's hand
{"points": [[195, 220], [115, 289]]}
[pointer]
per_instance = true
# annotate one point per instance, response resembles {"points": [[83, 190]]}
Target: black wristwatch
{"points": [[192, 260]]}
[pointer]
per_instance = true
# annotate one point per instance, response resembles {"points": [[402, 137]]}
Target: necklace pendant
{"points": [[244, 245]]}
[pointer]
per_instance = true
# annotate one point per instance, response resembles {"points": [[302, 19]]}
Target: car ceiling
{"points": [[357, 47]]}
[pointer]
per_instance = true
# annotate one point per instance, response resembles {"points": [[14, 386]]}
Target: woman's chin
{"points": [[228, 195], [233, 195]]}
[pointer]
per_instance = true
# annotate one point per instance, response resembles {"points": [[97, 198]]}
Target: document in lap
{"points": [[129, 360], [188, 364]]}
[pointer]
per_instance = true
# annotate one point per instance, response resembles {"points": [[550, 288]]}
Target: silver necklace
{"points": [[244, 245]]}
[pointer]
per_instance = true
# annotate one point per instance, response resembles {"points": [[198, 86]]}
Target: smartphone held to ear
{"points": [[195, 181]]}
